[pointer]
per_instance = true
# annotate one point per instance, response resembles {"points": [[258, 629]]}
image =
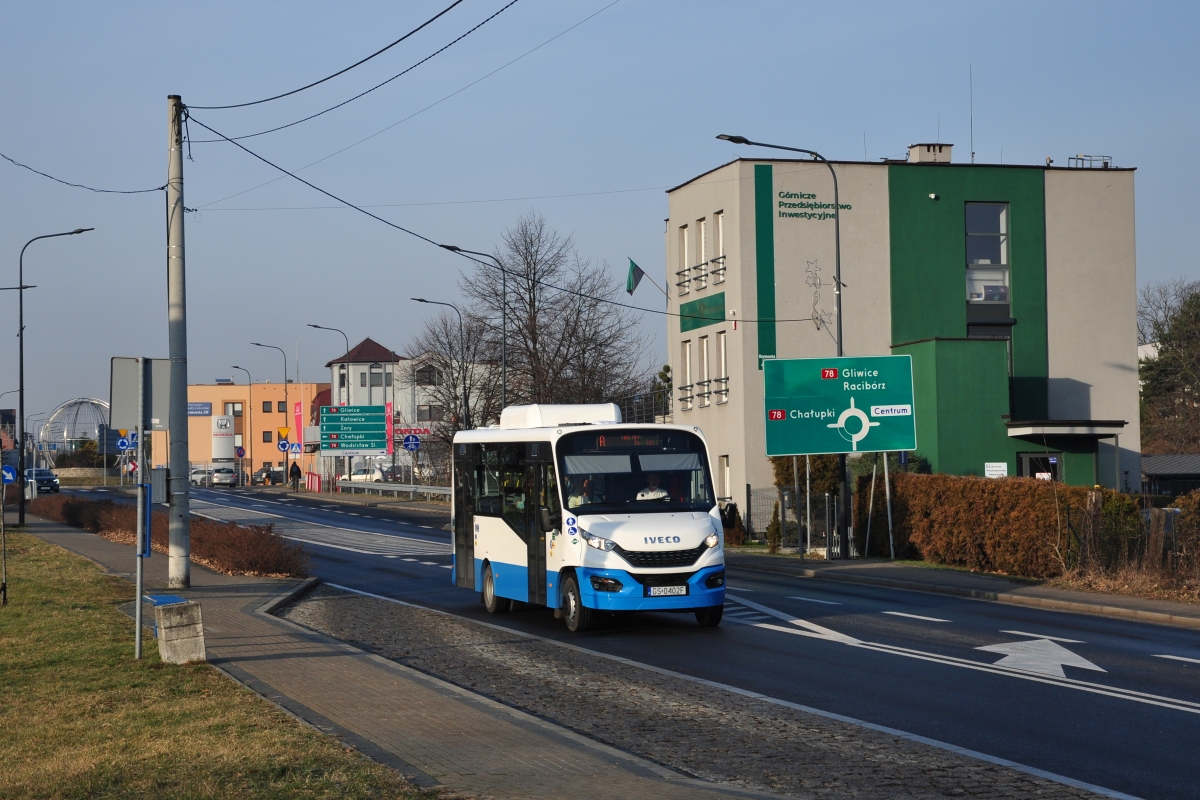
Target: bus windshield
{"points": [[634, 471]]}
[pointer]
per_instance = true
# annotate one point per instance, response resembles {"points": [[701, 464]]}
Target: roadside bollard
{"points": [[180, 632]]}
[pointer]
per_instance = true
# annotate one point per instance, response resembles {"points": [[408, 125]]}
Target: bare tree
{"points": [[565, 343], [1158, 303], [457, 359]]}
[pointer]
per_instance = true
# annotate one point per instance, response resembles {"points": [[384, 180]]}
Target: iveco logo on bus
{"points": [[661, 539]]}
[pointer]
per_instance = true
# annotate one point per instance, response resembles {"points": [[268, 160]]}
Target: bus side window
{"points": [[549, 494], [487, 481], [512, 486]]}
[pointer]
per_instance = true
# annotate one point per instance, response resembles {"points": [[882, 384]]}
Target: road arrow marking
{"points": [[1044, 636], [810, 627], [1039, 655]]}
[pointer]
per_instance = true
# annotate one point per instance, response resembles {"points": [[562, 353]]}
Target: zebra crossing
{"points": [[377, 544]]}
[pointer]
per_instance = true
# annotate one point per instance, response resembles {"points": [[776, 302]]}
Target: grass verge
{"points": [[80, 718]]}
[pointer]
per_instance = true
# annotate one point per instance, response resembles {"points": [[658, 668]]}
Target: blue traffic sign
{"points": [[412, 442], [297, 448], [9, 474], [123, 444], [240, 452], [283, 445]]}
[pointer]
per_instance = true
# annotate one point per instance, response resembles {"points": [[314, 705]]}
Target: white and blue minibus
{"points": [[564, 506]]}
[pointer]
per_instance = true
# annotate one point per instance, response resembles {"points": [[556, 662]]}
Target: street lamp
{"points": [[843, 538], [503, 318], [286, 477], [345, 372], [249, 440], [462, 345], [21, 355]]}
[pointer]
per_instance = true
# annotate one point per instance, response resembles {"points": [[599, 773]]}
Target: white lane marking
{"points": [[812, 627], [391, 556], [1181, 658], [1039, 655], [446, 566], [912, 737], [815, 600], [915, 616], [430, 563], [1043, 636], [409, 559], [815, 632], [427, 527], [737, 589]]}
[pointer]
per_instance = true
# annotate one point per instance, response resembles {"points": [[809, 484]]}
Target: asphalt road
{"points": [[1091, 698]]}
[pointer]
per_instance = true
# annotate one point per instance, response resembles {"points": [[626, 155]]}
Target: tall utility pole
{"points": [[179, 573]]}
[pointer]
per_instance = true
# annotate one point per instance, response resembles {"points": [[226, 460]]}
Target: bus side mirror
{"points": [[546, 519]]}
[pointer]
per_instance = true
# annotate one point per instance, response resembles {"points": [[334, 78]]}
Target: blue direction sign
{"points": [[412, 442], [283, 445], [9, 473], [123, 444]]}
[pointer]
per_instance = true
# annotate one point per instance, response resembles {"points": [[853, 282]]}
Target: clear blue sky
{"points": [[612, 112]]}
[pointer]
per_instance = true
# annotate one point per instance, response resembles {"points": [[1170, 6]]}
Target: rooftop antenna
{"points": [[865, 146], [971, 81], [939, 136]]}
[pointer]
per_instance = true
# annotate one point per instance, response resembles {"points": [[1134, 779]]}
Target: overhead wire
{"points": [[339, 72], [80, 185], [426, 108], [427, 240], [373, 88]]}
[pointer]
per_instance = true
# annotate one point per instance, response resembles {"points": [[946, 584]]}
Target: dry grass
{"points": [[80, 718], [1134, 581]]}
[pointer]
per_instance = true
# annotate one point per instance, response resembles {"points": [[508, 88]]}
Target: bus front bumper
{"points": [[598, 589]]}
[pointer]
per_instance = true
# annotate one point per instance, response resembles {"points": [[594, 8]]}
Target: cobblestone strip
{"points": [[718, 736]]}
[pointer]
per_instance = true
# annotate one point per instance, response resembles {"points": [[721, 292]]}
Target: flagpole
{"points": [[647, 277]]}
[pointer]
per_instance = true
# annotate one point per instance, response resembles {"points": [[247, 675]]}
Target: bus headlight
{"points": [[597, 542], [713, 540]]}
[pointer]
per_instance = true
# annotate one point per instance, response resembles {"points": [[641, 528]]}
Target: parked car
{"points": [[367, 474], [226, 476], [46, 480], [396, 474], [200, 476], [268, 476]]}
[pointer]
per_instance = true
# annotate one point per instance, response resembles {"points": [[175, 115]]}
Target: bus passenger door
{"points": [[464, 515], [539, 478]]}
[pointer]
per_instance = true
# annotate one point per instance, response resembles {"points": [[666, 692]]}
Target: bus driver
{"points": [[652, 490]]}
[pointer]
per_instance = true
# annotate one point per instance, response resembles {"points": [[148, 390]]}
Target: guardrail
{"points": [[393, 489]]}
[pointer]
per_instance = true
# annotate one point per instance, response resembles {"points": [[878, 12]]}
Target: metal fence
{"points": [[646, 407], [809, 521], [394, 489]]}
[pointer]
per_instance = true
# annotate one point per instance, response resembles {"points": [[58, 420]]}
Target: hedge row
{"points": [[222, 546]]}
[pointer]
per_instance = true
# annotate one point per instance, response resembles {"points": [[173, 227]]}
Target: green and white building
{"points": [[1012, 287]]}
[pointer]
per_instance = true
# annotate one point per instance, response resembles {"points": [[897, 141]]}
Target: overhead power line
{"points": [[418, 112], [373, 88], [339, 72], [80, 185], [427, 240]]}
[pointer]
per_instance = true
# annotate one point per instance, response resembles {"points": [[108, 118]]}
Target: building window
{"points": [[723, 476], [987, 252], [685, 375], [281, 406], [342, 378], [266, 406], [684, 270], [430, 413], [377, 379], [703, 384], [720, 384], [700, 270], [268, 436], [1046, 466], [428, 376], [362, 379], [387, 378], [718, 266], [233, 409]]}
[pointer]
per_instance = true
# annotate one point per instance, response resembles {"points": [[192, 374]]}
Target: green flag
{"points": [[635, 277]]}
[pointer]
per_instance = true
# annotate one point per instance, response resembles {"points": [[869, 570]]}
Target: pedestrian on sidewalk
{"points": [[294, 476]]}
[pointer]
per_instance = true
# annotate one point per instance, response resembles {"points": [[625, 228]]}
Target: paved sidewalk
{"points": [[886, 574], [432, 731]]}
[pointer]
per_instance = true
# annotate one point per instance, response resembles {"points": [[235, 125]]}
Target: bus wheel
{"points": [[493, 604], [578, 617], [710, 617]]}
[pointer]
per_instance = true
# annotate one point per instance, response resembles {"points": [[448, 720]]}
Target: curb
{"points": [[285, 597], [1094, 609]]}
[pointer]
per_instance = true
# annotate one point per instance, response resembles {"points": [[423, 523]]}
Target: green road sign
{"points": [[354, 430], [839, 405]]}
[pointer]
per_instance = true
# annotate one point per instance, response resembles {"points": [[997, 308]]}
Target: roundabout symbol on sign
{"points": [[865, 425], [123, 444], [283, 445]]}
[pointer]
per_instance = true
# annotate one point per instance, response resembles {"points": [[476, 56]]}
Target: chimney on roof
{"points": [[929, 153]]}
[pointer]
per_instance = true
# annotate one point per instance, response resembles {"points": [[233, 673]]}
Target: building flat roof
{"points": [[898, 162], [1171, 466]]}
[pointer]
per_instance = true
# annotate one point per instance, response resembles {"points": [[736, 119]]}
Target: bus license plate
{"points": [[666, 591]]}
